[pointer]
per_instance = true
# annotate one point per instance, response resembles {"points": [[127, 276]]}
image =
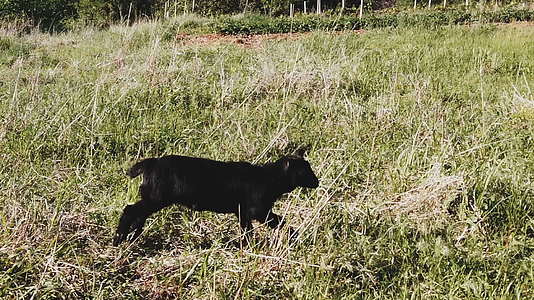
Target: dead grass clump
{"points": [[426, 204], [150, 278], [522, 105], [78, 227]]}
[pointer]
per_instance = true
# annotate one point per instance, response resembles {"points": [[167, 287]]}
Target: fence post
{"points": [[318, 6], [305, 8], [361, 9], [165, 10], [130, 12]]}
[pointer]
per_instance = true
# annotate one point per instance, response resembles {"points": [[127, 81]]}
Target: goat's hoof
{"points": [[119, 238]]}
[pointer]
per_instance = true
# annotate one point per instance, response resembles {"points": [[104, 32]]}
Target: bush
{"points": [[95, 12], [506, 15], [53, 15], [48, 14], [254, 24]]}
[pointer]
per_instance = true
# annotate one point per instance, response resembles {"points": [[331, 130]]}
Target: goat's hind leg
{"points": [[132, 219], [123, 228]]}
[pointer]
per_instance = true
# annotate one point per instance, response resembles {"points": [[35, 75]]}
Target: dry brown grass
{"points": [[426, 205]]}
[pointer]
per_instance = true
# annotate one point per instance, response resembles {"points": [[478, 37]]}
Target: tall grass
{"points": [[422, 140]]}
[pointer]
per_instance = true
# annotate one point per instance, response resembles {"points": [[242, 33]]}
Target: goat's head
{"points": [[298, 171]]}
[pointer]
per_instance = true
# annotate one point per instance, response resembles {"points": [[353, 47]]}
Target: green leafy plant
{"points": [[257, 24]]}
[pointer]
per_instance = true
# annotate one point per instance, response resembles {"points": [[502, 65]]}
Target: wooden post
{"points": [[444, 3], [429, 3], [361, 9], [130, 12], [342, 4], [466, 2], [318, 6], [414, 4], [305, 8], [165, 9], [291, 9], [193, 7]]}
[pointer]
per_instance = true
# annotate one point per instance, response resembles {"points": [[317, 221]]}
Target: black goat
{"points": [[247, 190]]}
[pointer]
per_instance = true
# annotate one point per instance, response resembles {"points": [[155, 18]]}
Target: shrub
{"points": [[48, 14], [255, 24]]}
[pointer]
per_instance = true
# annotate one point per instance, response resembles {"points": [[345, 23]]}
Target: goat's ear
{"points": [[285, 165], [300, 152]]}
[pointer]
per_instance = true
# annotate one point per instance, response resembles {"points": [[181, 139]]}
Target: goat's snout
{"points": [[315, 183], [311, 182]]}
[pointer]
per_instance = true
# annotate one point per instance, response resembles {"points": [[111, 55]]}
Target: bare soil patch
{"points": [[247, 41], [256, 40]]}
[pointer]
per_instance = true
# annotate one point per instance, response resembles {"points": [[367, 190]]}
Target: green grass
{"points": [[422, 140]]}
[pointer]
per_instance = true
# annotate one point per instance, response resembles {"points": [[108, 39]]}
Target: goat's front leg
{"points": [[246, 224], [275, 221]]}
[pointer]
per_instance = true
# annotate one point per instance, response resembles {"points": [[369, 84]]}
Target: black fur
{"points": [[246, 190]]}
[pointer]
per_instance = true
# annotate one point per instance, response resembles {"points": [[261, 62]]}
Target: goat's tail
{"points": [[140, 167]]}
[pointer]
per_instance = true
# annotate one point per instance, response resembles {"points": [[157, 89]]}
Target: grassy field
{"points": [[422, 139]]}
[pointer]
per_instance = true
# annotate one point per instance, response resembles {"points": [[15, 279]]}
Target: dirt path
{"points": [[247, 41]]}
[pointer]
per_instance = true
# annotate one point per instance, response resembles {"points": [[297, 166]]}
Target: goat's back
{"points": [[203, 184], [203, 168]]}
